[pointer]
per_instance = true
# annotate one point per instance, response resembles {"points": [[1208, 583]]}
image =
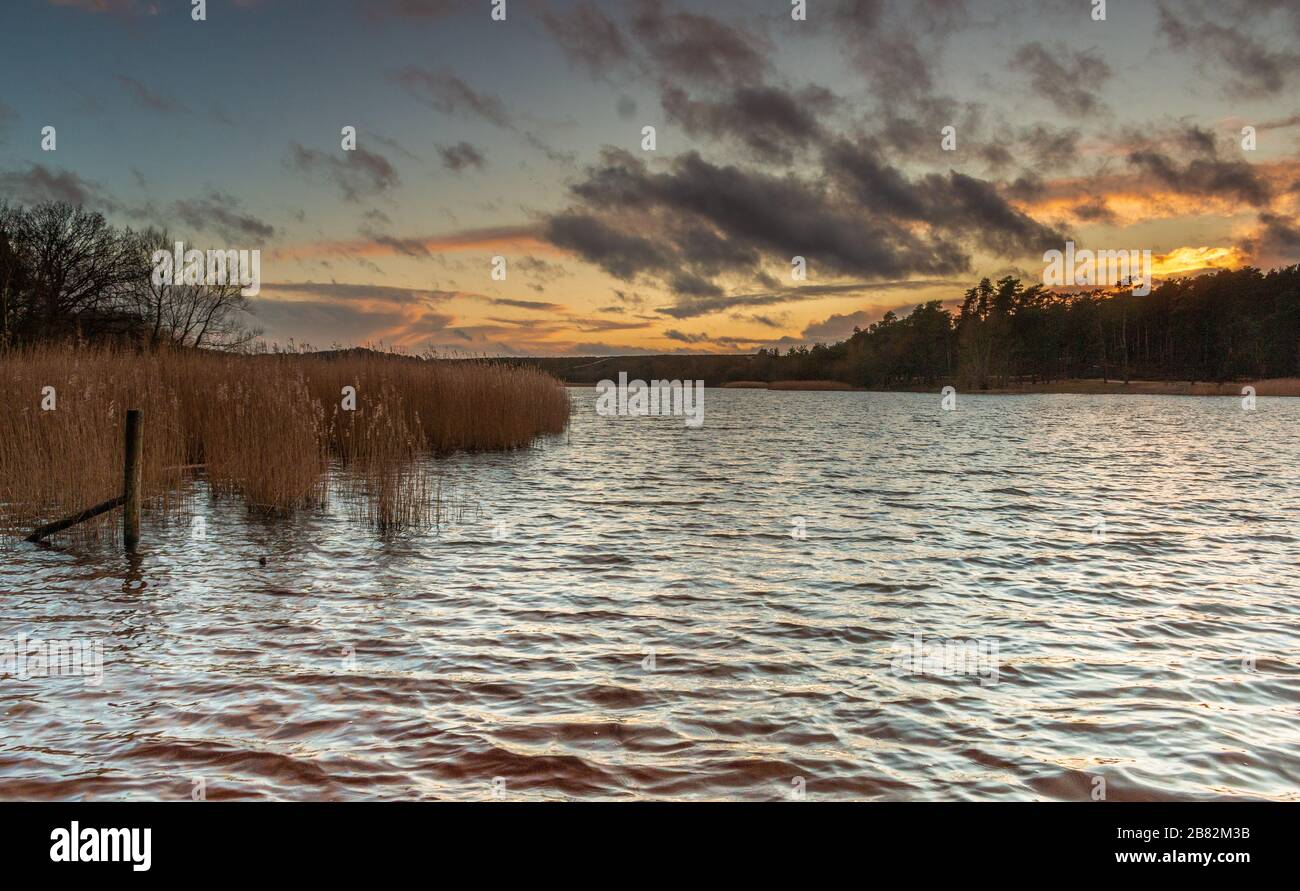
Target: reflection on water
{"points": [[642, 609]]}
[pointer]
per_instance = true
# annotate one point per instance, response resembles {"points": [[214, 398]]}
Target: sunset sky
{"points": [[775, 138]]}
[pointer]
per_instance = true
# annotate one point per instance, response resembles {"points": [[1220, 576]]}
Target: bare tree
{"points": [[197, 315], [78, 264]]}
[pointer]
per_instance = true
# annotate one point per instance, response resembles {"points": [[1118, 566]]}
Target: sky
{"points": [[776, 135]]}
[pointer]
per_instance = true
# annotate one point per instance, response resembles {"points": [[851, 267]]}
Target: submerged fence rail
{"points": [[129, 500]]}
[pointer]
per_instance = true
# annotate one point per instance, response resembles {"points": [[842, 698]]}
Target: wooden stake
{"points": [[131, 480]]}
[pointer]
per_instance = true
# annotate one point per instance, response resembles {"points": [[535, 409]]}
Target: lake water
{"points": [[639, 609]]}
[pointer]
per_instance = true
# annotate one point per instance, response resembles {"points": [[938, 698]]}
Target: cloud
{"points": [[766, 321], [674, 334], [359, 174], [693, 307], [317, 312], [1063, 76], [460, 156], [1202, 176], [589, 37], [838, 327], [1276, 242], [699, 222], [696, 47], [146, 97], [894, 47], [1258, 70], [344, 291], [494, 238], [621, 254], [320, 323], [528, 304], [770, 122], [447, 93], [40, 183], [219, 212]]}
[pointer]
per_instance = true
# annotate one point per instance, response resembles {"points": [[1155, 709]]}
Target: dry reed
{"points": [[266, 428]]}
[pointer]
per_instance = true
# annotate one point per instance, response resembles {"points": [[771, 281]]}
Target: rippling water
{"points": [[643, 610]]}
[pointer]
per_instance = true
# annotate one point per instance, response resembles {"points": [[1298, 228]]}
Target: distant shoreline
{"points": [[1270, 387]]}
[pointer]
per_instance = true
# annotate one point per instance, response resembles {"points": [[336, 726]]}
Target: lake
{"points": [[836, 595]]}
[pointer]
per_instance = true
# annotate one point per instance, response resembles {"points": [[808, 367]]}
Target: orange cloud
{"points": [[1183, 260], [1130, 198]]}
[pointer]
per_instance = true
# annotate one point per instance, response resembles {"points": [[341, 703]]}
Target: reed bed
{"points": [[266, 429]]}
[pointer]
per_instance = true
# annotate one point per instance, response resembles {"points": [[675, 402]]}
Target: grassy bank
{"points": [[267, 429]]}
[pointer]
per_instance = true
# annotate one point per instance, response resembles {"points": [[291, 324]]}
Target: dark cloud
{"points": [[1047, 148], [1202, 176], [692, 307], [896, 68], [528, 304], [461, 156], [447, 93], [674, 334], [1257, 70], [958, 204], [1093, 210], [766, 321], [588, 36], [1281, 123], [1063, 76], [396, 146], [344, 291], [39, 183], [837, 327], [541, 272], [623, 255], [218, 212], [147, 97], [699, 224], [1276, 242], [359, 173], [319, 322], [893, 45], [768, 121], [406, 247], [696, 47]]}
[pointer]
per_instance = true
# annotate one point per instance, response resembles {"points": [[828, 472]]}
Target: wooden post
{"points": [[131, 480]]}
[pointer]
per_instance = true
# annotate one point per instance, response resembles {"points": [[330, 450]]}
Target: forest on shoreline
{"points": [[1241, 324]]}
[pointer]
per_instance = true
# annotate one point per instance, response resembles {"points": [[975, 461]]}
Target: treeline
{"points": [[1223, 326], [65, 273], [1229, 325]]}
